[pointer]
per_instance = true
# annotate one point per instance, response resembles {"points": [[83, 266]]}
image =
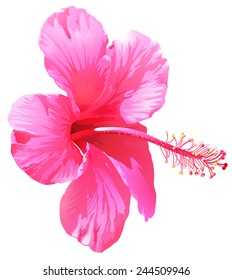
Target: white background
{"points": [[192, 223]]}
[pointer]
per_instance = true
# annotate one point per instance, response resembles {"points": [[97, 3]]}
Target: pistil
{"points": [[183, 153]]}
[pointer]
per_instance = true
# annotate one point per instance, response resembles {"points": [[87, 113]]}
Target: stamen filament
{"points": [[185, 154]]}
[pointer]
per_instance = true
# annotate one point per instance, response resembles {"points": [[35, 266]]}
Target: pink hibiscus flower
{"points": [[92, 136]]}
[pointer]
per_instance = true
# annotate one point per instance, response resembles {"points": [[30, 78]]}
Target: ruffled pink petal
{"points": [[95, 206], [74, 44], [41, 144], [137, 81], [133, 161]]}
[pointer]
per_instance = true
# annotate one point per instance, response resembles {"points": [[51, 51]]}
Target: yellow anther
{"points": [[182, 135], [193, 153], [173, 135], [181, 173], [173, 166], [215, 163], [208, 152]]}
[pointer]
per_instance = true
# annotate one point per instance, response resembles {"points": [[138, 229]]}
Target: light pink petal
{"points": [[133, 161], [41, 144], [137, 81], [74, 44], [95, 206]]}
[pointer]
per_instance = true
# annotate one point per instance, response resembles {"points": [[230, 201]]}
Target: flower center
{"points": [[183, 153]]}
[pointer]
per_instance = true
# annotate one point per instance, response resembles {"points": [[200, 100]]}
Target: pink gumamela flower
{"points": [[93, 136]]}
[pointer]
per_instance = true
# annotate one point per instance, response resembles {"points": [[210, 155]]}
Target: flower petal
{"points": [[137, 81], [74, 44], [95, 206], [41, 143], [133, 161]]}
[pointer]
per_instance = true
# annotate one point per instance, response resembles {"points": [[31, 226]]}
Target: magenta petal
{"points": [[137, 81], [133, 161], [41, 144], [74, 44], [95, 206]]}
